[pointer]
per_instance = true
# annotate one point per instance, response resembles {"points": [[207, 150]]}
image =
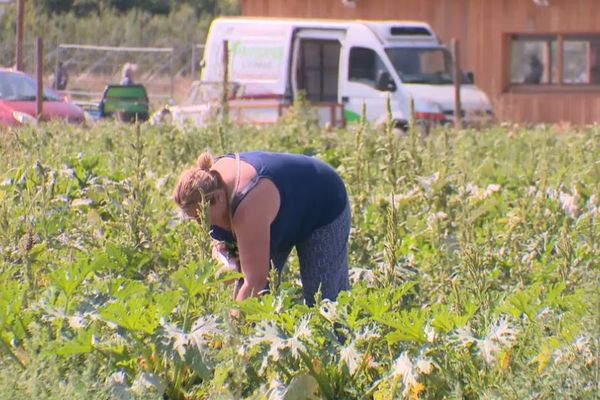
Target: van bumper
{"points": [[472, 118]]}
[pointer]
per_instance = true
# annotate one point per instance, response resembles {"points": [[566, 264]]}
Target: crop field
{"points": [[473, 255]]}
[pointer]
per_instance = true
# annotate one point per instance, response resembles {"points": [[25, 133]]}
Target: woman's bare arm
{"points": [[252, 225], [254, 260]]}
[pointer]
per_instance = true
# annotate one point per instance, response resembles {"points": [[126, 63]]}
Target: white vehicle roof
{"points": [[388, 32]]}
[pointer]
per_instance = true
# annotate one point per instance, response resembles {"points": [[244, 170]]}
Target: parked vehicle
{"points": [[203, 104], [199, 107], [18, 101], [127, 103], [343, 62]]}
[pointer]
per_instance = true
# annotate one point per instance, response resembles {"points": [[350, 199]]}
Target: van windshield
{"points": [[432, 66]]}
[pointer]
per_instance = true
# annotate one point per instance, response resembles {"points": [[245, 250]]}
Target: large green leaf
{"points": [[135, 313], [69, 278], [81, 344]]}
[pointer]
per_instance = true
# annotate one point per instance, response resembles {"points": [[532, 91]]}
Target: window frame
{"points": [[560, 86]]}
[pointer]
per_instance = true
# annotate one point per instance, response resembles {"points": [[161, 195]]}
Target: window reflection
{"points": [[581, 62], [533, 60]]}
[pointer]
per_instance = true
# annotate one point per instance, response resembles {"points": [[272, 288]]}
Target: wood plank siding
{"points": [[485, 29]]}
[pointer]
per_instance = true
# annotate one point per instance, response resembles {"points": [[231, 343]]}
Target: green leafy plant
{"points": [[472, 256]]}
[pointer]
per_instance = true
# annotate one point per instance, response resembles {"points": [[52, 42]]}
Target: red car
{"points": [[17, 101]]}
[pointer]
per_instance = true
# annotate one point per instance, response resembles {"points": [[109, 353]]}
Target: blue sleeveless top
{"points": [[311, 196]]}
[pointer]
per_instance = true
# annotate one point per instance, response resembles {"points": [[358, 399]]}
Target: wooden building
{"points": [[538, 60]]}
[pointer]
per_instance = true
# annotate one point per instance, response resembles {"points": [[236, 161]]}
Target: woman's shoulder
{"points": [[259, 204]]}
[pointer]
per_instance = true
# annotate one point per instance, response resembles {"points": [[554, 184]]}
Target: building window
{"points": [[581, 60], [533, 60], [562, 59]]}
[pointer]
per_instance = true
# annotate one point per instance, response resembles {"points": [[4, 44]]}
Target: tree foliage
{"points": [[153, 7], [104, 23]]}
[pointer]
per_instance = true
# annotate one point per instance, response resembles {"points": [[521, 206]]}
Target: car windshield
{"points": [[19, 87], [432, 66]]}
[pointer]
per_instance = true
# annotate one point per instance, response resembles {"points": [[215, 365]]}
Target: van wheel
{"points": [[400, 128], [162, 117], [422, 128]]}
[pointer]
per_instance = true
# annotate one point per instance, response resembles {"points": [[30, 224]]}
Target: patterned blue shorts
{"points": [[323, 259]]}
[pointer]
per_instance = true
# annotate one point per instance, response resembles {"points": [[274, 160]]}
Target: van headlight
{"points": [[24, 118]]}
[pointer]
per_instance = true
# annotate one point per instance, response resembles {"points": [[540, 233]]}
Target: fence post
{"points": [[56, 61], [39, 71], [193, 72], [457, 83], [225, 97], [19, 51], [172, 72], [333, 115]]}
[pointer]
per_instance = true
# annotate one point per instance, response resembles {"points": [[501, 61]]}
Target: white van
{"points": [[342, 62]]}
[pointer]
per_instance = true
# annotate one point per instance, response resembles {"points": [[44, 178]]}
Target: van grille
{"points": [[477, 113]]}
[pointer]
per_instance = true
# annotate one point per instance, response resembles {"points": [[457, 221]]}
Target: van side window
{"points": [[365, 66]]}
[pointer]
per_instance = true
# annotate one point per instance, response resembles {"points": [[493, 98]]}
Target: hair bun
{"points": [[205, 161]]}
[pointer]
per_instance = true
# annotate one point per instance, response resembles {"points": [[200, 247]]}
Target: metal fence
{"points": [[91, 67]]}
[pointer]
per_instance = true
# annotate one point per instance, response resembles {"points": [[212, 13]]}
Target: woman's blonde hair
{"points": [[197, 183]]}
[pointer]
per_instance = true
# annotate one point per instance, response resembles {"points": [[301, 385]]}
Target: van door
{"points": [[316, 64], [367, 77]]}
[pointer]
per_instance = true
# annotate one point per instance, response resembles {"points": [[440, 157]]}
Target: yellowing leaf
{"points": [[505, 359], [416, 390]]}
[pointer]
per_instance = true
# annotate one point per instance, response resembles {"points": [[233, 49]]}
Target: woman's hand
{"points": [[218, 248], [222, 256], [235, 314]]}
